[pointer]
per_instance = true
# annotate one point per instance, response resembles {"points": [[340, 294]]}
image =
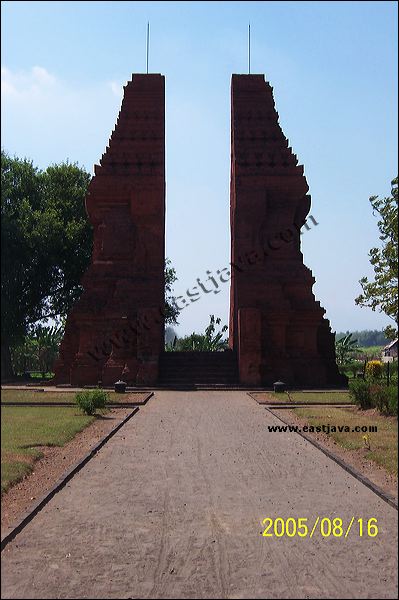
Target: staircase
{"points": [[188, 370]]}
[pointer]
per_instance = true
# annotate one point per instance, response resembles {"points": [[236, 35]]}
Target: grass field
{"points": [[370, 351], [321, 398], [308, 397], [25, 429], [8, 396], [383, 443], [30, 396]]}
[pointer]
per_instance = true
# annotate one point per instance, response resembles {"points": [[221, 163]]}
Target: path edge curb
{"points": [[67, 476]]}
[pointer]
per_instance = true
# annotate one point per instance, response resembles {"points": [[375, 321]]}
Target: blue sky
{"points": [[333, 67]]}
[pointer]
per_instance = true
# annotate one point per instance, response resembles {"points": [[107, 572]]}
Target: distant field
{"points": [[370, 351], [24, 429]]}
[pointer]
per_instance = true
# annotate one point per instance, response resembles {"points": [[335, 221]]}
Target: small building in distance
{"points": [[390, 352]]}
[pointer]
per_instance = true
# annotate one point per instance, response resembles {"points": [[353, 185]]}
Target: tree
{"points": [[38, 350], [69, 233], [20, 197], [171, 310], [24, 356], [366, 337], [46, 244], [382, 293]]}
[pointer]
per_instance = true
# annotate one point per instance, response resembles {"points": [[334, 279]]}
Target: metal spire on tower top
{"points": [[148, 44], [249, 48]]}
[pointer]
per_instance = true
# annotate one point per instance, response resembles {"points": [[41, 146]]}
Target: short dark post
{"points": [[279, 387], [120, 387], [388, 373]]}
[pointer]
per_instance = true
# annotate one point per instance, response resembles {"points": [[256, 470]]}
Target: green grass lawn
{"points": [[321, 398], [383, 443], [23, 429], [30, 396], [308, 397], [370, 351], [37, 397]]}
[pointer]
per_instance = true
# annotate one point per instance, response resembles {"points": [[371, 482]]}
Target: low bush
{"points": [[368, 394], [379, 396], [393, 403], [392, 367], [91, 400], [351, 368], [391, 400], [359, 392]]}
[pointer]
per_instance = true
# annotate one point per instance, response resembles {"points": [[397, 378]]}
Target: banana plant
{"points": [[344, 349], [47, 340], [210, 341]]}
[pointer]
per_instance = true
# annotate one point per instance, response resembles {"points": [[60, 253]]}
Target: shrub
{"points": [[374, 369], [359, 392], [378, 396], [393, 371], [91, 400], [392, 400], [387, 400], [374, 395], [350, 369]]}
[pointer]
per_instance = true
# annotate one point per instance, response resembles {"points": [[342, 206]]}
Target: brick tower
{"points": [[276, 325], [116, 329]]}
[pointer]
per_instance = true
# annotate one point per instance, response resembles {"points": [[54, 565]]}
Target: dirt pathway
{"points": [[172, 507]]}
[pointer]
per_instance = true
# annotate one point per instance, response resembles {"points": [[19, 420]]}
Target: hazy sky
{"points": [[333, 67]]}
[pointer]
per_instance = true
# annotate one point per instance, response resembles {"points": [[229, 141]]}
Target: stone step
{"points": [[198, 379], [191, 367], [198, 368], [217, 360]]}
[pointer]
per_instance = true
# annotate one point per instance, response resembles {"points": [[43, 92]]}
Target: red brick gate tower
{"points": [[116, 329], [276, 325]]}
